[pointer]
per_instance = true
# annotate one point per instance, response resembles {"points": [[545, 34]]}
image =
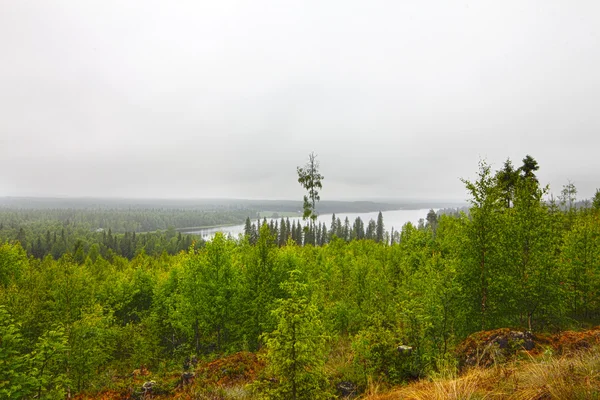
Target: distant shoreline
{"points": [[189, 229]]}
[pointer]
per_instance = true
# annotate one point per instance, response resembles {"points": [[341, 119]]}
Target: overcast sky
{"points": [[225, 98]]}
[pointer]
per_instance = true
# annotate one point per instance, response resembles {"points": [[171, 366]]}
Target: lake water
{"points": [[391, 219]]}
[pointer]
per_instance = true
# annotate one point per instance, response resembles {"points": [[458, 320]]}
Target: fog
{"points": [[226, 98]]}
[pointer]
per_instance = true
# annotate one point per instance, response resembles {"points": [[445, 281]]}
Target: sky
{"points": [[211, 99]]}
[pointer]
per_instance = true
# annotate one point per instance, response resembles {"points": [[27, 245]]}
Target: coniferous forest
{"points": [[309, 311]]}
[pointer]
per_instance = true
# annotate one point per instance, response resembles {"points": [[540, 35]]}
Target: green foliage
{"points": [[12, 262], [47, 365], [89, 307], [507, 180], [581, 267], [92, 344], [261, 279], [530, 165], [296, 348], [40, 373], [482, 251], [376, 354], [530, 248], [596, 200], [14, 383], [218, 290]]}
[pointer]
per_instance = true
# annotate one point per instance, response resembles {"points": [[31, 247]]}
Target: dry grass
{"points": [[573, 376]]}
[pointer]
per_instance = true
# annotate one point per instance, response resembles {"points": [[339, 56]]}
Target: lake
{"points": [[391, 219]]}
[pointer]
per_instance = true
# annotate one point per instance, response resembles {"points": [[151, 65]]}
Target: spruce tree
{"points": [[596, 200], [248, 228], [380, 228]]}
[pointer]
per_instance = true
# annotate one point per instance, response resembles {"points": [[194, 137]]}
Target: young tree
{"points": [[260, 284], [530, 279], [581, 255], [14, 382], [481, 249], [219, 289], [310, 179], [296, 348]]}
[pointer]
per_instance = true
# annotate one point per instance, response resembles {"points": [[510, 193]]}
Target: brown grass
{"points": [[572, 376]]}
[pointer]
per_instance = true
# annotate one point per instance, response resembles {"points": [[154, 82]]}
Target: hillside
{"points": [[560, 366]]}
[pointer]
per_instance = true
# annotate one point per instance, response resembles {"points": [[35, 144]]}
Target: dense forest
{"points": [[123, 227], [323, 306]]}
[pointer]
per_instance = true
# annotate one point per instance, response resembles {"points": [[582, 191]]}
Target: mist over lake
{"points": [[392, 219]]}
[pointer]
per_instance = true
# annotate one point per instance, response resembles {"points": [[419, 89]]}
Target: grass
{"points": [[571, 376]]}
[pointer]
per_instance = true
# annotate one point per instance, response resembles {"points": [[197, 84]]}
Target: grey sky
{"points": [[226, 98]]}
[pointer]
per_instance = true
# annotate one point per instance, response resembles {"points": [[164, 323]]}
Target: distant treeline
{"points": [[46, 236], [126, 232], [119, 220], [35, 215], [320, 234]]}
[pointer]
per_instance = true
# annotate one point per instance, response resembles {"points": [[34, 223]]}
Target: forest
{"points": [[321, 311]]}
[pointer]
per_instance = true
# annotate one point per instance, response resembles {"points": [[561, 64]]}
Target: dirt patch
{"points": [[239, 368], [570, 341]]}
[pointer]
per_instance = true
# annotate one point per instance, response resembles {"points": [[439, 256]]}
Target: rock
{"points": [[488, 347], [404, 350], [187, 377], [346, 389], [148, 386]]}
